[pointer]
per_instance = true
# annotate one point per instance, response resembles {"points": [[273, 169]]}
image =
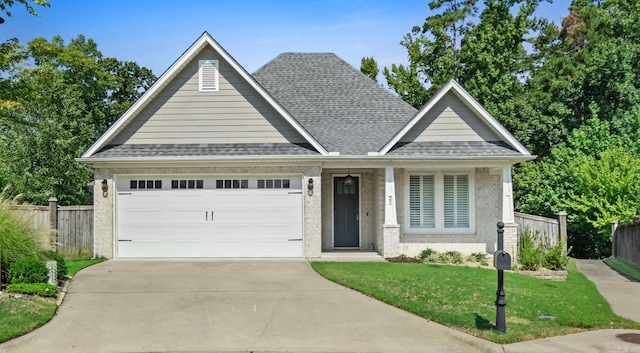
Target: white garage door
{"points": [[159, 221]]}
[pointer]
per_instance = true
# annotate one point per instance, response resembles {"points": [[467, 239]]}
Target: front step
{"points": [[350, 256]]}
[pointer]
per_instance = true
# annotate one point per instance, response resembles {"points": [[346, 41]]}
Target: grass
{"points": [[626, 268], [23, 315], [464, 298], [75, 265]]}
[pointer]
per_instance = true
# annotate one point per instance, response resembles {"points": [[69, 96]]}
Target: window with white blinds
{"points": [[422, 201], [456, 201], [208, 75], [440, 203]]}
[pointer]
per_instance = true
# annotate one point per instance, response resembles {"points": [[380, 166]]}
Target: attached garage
{"points": [[164, 217]]}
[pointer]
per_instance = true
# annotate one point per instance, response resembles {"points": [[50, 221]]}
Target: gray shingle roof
{"points": [[211, 150], [343, 109], [454, 149]]}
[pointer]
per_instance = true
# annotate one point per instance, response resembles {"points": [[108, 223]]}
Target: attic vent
{"points": [[208, 72]]}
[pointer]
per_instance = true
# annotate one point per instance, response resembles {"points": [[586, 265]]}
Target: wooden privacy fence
{"points": [[73, 225], [625, 242], [552, 231]]}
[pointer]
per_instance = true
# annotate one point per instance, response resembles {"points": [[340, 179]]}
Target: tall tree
{"points": [[433, 51], [496, 63], [67, 96], [369, 67]]}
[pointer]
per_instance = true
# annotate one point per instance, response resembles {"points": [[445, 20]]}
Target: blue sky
{"points": [[155, 33]]}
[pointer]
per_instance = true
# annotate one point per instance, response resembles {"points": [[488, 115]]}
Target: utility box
{"points": [[52, 266], [502, 260]]}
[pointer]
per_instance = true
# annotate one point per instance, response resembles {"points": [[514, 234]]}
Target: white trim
{"points": [[333, 215], [507, 196], [439, 203], [167, 76], [455, 87]]}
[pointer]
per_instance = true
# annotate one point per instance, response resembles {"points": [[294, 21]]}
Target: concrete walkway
{"points": [[621, 292], [229, 306]]}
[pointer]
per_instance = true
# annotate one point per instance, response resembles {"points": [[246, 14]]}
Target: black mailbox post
{"points": [[501, 261]]}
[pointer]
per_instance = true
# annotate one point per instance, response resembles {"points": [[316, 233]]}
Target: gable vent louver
{"points": [[208, 75]]}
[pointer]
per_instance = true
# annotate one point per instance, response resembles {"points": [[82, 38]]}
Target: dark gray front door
{"points": [[346, 213]]}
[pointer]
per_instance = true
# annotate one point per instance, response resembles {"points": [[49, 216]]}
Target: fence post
{"points": [[614, 227], [562, 228], [53, 221]]}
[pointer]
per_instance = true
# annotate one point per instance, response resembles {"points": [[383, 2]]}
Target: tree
{"points": [[606, 189], [5, 5], [369, 67], [433, 51], [71, 96]]}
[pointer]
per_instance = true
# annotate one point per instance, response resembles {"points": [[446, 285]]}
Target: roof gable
{"points": [[344, 109], [452, 115], [240, 112]]}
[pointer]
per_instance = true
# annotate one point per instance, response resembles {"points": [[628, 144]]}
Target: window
{"points": [[440, 203], [208, 76], [273, 183], [232, 184], [145, 184], [187, 184]]}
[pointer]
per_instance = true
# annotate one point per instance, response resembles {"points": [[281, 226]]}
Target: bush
{"points": [[29, 270], [61, 266], [478, 257], [19, 238], [41, 289], [535, 252], [455, 257], [427, 253]]}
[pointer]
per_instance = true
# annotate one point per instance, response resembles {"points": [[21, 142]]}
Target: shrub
{"points": [[455, 257], [427, 253], [41, 289], [478, 257], [19, 238], [61, 266], [29, 270], [535, 252]]}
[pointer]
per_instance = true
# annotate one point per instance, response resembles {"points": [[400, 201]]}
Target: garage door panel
{"points": [[177, 223]]}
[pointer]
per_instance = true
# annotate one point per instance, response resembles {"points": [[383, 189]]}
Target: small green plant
{"points": [[29, 270], [455, 257], [61, 266], [41, 289], [478, 257], [535, 252], [427, 253]]}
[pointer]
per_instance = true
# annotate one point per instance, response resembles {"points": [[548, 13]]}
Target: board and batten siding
{"points": [[181, 114], [450, 120]]}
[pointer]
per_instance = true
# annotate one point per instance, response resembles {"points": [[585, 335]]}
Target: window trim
{"points": [[439, 203], [201, 72]]}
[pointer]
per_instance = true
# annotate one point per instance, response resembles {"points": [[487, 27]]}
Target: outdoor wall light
{"points": [[105, 187], [310, 187], [348, 180]]}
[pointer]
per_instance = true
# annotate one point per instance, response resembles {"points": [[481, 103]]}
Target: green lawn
{"points": [[464, 298], [626, 268], [75, 265], [21, 316]]}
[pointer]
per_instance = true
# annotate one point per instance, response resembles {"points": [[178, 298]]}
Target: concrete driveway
{"points": [[229, 306]]}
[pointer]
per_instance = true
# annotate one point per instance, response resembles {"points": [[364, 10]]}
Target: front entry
{"points": [[346, 212]]}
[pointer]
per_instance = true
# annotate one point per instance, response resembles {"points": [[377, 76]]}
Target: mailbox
{"points": [[502, 260]]}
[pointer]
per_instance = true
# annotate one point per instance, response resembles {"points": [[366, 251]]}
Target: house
{"points": [[305, 156]]}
